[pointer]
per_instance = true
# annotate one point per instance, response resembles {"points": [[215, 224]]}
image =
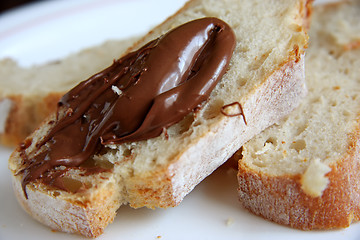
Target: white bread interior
{"points": [[303, 172]]}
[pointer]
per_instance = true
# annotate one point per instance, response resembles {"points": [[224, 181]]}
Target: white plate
{"points": [[53, 29]]}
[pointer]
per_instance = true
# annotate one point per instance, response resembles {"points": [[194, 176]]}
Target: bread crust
{"points": [[281, 199], [88, 219], [25, 114]]}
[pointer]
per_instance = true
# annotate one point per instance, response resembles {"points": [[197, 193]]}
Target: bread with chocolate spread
{"points": [[29, 95], [304, 172], [201, 84]]}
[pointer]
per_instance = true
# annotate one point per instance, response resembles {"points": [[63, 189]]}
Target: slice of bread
{"points": [[29, 95], [303, 172], [265, 77]]}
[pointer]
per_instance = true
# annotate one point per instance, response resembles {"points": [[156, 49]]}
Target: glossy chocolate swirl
{"points": [[137, 97]]}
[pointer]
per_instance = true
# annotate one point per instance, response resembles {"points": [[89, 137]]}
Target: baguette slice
{"points": [[29, 95], [304, 172], [265, 76]]}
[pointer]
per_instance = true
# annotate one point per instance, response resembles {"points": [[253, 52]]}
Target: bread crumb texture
{"points": [[315, 150]]}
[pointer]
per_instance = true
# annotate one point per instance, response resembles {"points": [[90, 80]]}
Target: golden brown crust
{"points": [[152, 190], [10, 136], [86, 218], [281, 199], [25, 116]]}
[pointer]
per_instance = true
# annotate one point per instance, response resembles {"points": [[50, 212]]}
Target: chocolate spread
{"points": [[239, 113], [136, 98]]}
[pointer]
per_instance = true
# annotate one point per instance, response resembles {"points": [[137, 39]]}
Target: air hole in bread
{"points": [[197, 122], [316, 100], [346, 113], [346, 71], [271, 140], [72, 185], [184, 125], [241, 82], [300, 129], [88, 163], [335, 53], [127, 152], [102, 163], [298, 145], [153, 161]]}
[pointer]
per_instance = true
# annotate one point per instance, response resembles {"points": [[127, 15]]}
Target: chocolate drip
{"points": [[239, 113]]}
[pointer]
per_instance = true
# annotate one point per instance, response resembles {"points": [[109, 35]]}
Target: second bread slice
{"points": [[304, 171]]}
